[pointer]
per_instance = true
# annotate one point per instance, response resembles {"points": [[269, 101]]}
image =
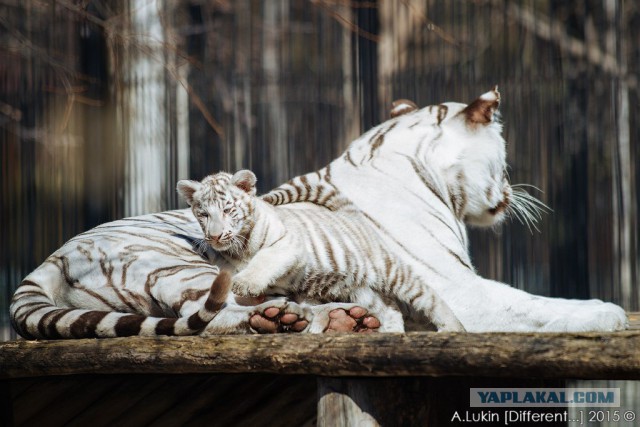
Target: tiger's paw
{"points": [[354, 320], [271, 318], [246, 289], [588, 316], [332, 318]]}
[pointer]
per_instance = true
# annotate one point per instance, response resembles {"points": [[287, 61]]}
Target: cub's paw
{"points": [[279, 316], [244, 287]]}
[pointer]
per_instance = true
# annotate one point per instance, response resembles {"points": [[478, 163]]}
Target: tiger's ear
{"points": [[402, 106], [246, 181], [186, 188], [481, 110]]}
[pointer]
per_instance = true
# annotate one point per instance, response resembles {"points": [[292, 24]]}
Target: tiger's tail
{"points": [[314, 187], [34, 316]]}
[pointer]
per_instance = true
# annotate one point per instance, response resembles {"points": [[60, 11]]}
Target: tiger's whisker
{"points": [[527, 209]]}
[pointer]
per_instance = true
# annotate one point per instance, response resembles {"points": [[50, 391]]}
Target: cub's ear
{"points": [[402, 106], [186, 188], [245, 180], [481, 110]]}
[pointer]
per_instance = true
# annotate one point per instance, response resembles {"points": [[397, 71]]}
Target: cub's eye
{"points": [[227, 211], [203, 214]]}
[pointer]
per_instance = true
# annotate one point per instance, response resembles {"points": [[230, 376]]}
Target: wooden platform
{"points": [[282, 379]]}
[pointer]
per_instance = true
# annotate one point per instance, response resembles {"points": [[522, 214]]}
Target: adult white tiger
{"points": [[417, 178]]}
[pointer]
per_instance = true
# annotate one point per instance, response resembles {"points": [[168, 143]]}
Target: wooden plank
{"points": [[160, 400], [411, 401], [587, 355]]}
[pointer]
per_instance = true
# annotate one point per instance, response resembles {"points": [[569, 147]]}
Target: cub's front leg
{"points": [[266, 268]]}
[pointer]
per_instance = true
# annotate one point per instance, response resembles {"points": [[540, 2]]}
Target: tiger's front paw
{"points": [[244, 287]]}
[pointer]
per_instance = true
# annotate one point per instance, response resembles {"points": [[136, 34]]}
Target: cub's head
{"points": [[223, 204]]}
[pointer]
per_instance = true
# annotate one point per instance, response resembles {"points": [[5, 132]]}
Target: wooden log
{"points": [[536, 355], [344, 402], [413, 401]]}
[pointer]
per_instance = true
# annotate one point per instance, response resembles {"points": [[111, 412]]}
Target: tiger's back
{"points": [[420, 178], [135, 276]]}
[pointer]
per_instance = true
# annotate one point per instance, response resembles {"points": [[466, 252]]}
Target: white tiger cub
{"points": [[308, 251]]}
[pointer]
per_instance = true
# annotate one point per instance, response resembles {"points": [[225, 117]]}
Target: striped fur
{"points": [[314, 187], [415, 181], [89, 289], [402, 106], [419, 179], [31, 304], [146, 275], [308, 251]]}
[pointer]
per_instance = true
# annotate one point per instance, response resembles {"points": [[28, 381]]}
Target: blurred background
{"points": [[105, 105]]}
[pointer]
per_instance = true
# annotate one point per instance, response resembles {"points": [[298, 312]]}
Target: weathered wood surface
{"points": [[586, 355], [159, 400], [346, 402], [409, 401]]}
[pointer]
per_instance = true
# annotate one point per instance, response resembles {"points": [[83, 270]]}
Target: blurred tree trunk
{"points": [[142, 100], [366, 41], [98, 126], [400, 23], [570, 251], [274, 25], [632, 52], [624, 203], [240, 118], [351, 108]]}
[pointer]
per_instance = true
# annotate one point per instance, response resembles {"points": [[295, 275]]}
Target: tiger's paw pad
{"points": [[273, 320], [355, 319]]}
